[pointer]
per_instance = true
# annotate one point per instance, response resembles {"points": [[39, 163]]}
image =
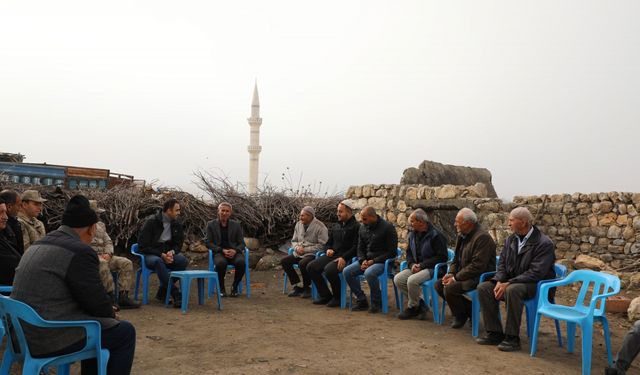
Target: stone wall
{"points": [[603, 225]]}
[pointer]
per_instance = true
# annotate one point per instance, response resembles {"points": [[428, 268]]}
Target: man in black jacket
{"points": [[14, 233], [427, 247], [528, 256], [341, 247], [225, 239], [377, 242], [160, 240], [9, 254], [58, 277], [475, 255]]}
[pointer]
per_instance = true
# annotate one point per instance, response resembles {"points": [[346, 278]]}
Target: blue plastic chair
{"points": [[382, 280], [600, 286], [314, 290], [429, 292], [475, 302], [531, 305], [185, 278], [247, 276], [143, 272], [4, 289], [14, 313], [343, 285]]}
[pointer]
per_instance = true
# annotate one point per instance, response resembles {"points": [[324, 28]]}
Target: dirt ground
{"points": [[270, 333]]}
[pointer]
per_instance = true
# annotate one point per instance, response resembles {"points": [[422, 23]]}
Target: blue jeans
{"points": [[371, 274], [162, 269]]}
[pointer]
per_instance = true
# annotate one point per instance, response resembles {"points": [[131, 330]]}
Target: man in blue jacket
{"points": [[427, 247], [528, 256]]}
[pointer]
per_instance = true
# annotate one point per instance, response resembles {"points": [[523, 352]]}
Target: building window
{"points": [[26, 179], [47, 181], [59, 183], [15, 179], [93, 184], [83, 184], [73, 184], [36, 181], [102, 184]]}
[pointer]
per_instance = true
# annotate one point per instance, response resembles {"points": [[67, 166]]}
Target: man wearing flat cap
{"points": [[341, 247], [58, 277], [103, 246], [32, 228], [309, 237]]}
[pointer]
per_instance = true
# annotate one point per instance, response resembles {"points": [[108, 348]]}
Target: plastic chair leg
{"points": [[384, 289], [343, 291], [284, 284], [607, 339], [135, 290], [64, 369], [395, 294], [200, 283], [558, 333], [145, 288], [169, 287], [587, 336], [475, 314], [186, 286], [534, 336], [571, 336]]}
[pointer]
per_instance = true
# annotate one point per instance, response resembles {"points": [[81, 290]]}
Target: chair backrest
{"points": [[450, 255], [134, 249], [6, 288], [497, 261], [561, 270], [12, 313], [598, 284]]}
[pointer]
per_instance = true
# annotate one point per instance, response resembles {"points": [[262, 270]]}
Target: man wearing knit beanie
{"points": [[58, 277]]}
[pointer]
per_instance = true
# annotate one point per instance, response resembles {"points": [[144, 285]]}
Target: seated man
{"points": [[9, 254], [427, 246], [31, 207], [160, 240], [309, 236], [341, 247], [377, 242], [103, 246], [14, 203], [528, 256], [58, 277], [225, 239], [629, 350], [475, 255]]}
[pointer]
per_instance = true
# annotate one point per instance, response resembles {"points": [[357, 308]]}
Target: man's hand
{"points": [[499, 290], [167, 257], [341, 263], [366, 264], [448, 279], [229, 253], [330, 252], [415, 268], [105, 256], [299, 250]]}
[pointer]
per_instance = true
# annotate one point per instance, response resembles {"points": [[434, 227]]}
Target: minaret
{"points": [[254, 141]]}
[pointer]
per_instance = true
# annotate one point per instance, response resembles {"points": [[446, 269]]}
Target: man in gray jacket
{"points": [[309, 237], [58, 277], [226, 241]]}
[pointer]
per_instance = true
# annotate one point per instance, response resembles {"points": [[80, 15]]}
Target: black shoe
{"points": [[374, 308], [322, 300], [408, 313], [127, 303], [306, 293], [177, 298], [491, 338], [458, 322], [161, 293], [234, 293], [423, 309], [334, 302], [611, 371], [296, 292], [361, 306], [510, 344]]}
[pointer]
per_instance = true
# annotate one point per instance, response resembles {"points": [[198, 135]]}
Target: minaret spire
{"points": [[254, 141]]}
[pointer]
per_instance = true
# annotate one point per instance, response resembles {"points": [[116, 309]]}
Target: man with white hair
{"points": [[475, 255], [528, 256], [226, 241], [309, 237]]}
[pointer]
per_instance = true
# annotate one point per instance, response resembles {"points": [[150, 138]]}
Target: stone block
{"points": [[593, 220], [589, 262], [555, 207], [568, 208], [606, 258], [635, 198], [350, 192], [615, 249], [631, 211], [563, 246], [633, 312], [391, 217], [377, 203], [556, 198], [585, 247], [614, 232], [401, 206], [600, 231], [622, 209], [603, 242], [607, 219], [446, 192], [411, 193], [367, 191], [628, 233], [360, 203], [402, 220], [622, 220]]}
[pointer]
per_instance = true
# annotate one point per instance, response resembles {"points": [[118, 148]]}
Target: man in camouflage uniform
{"points": [[32, 228], [103, 245]]}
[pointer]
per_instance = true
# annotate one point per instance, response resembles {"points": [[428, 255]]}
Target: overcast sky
{"points": [[545, 94]]}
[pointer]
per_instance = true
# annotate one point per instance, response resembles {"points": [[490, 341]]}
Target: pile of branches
{"points": [[271, 214]]}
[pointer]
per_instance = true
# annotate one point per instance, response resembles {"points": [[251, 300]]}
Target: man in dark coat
{"points": [[9, 254], [225, 239], [341, 247], [160, 240], [58, 277], [14, 233], [528, 256], [427, 246], [475, 255]]}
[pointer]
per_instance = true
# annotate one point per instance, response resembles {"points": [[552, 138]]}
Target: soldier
{"points": [[32, 228], [103, 246]]}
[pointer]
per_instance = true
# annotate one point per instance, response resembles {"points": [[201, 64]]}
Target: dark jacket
{"points": [[58, 277], [377, 242], [149, 237], [9, 258], [343, 239], [430, 248], [475, 255], [214, 237], [15, 234], [534, 263]]}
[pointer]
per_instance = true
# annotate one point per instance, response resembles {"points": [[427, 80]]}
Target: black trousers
{"points": [[329, 266], [287, 265], [220, 263], [514, 298], [454, 295]]}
